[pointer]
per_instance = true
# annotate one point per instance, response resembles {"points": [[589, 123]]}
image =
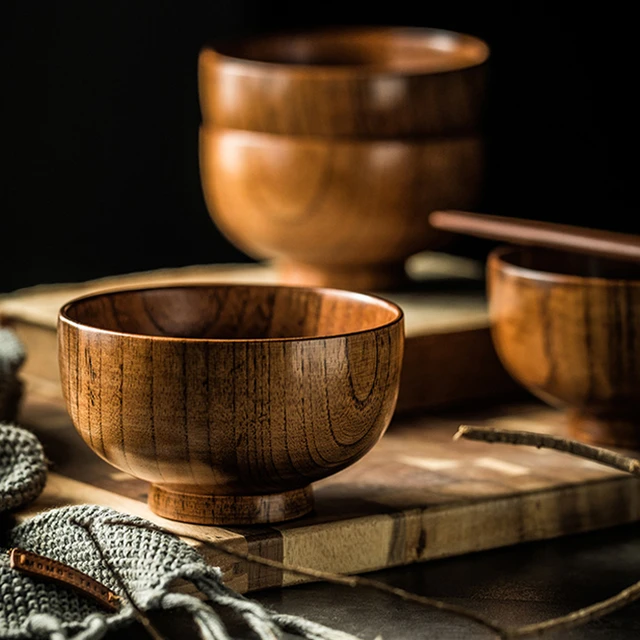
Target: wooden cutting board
{"points": [[449, 356], [416, 496]]}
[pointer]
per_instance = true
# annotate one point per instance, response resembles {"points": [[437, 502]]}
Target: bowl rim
{"points": [[210, 131], [347, 70], [496, 259], [377, 299]]}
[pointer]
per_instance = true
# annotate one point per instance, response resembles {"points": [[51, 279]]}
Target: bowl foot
{"points": [[202, 508], [606, 432], [383, 277]]}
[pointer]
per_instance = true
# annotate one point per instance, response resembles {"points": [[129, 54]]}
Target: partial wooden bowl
{"points": [[337, 213], [566, 327], [351, 81], [230, 399]]}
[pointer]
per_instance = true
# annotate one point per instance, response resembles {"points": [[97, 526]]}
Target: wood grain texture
{"points": [[347, 82], [240, 394], [449, 355], [230, 509], [416, 496], [325, 150], [343, 213], [566, 327]]}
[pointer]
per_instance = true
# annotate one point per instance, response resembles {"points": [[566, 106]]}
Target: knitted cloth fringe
{"points": [[140, 562]]}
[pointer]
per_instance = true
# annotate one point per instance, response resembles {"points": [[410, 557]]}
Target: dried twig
{"points": [[581, 616], [490, 435], [597, 454], [541, 440], [139, 613], [569, 621], [359, 581]]}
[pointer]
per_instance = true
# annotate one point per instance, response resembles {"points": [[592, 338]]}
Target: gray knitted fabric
{"points": [[138, 561], [12, 356], [23, 470], [134, 558], [22, 463]]}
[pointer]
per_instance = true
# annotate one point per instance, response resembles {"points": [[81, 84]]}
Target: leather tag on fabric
{"points": [[40, 567]]}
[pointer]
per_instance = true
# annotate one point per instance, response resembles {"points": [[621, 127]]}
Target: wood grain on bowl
{"points": [[381, 82], [230, 399], [325, 150], [566, 327], [342, 213]]}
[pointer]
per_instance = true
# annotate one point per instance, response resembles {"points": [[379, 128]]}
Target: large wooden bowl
{"points": [[230, 399], [567, 327], [340, 213], [352, 81]]}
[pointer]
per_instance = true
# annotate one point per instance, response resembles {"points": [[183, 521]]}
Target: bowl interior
{"points": [[426, 50], [549, 264], [232, 312]]}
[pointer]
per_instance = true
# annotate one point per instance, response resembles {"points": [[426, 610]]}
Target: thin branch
{"points": [[581, 616], [139, 613], [358, 581], [337, 578], [597, 454], [333, 578], [569, 621], [541, 440]]}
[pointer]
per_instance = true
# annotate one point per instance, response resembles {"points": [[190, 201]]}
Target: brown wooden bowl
{"points": [[230, 399], [339, 213], [350, 81], [567, 327]]}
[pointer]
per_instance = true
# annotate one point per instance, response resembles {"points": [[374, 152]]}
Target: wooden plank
{"points": [[449, 355], [416, 496]]}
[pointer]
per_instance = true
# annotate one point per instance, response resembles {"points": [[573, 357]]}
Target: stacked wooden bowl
{"points": [[326, 151]]}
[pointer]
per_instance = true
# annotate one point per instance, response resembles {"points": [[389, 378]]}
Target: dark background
{"points": [[99, 116]]}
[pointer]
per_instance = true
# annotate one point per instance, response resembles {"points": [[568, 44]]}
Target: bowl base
{"points": [[385, 277], [202, 508], [606, 432]]}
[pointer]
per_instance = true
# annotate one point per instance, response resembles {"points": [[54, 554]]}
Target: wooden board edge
{"points": [[422, 535]]}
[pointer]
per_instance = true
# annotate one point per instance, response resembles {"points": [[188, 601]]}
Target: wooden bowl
{"points": [[339, 213], [230, 399], [353, 81], [567, 327]]}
